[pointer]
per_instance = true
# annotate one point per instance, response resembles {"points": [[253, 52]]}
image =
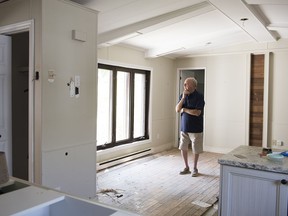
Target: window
{"points": [[122, 108]]}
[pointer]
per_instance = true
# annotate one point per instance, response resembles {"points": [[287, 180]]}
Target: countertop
{"points": [[249, 157], [35, 200], [26, 200]]}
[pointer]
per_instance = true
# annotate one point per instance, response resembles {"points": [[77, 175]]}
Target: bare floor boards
{"points": [[152, 185]]}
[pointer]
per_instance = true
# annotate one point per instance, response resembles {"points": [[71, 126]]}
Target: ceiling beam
{"points": [[267, 2], [254, 26], [154, 23]]}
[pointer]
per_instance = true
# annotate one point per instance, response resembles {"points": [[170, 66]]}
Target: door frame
{"points": [[178, 92], [27, 26]]}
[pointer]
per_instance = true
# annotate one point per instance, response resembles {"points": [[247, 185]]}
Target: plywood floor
{"points": [[152, 185]]}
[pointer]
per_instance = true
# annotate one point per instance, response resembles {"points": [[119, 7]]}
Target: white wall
{"points": [[225, 99], [65, 128], [227, 95], [162, 121], [69, 123], [278, 100]]}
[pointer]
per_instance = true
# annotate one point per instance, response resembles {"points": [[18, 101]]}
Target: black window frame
{"points": [[132, 72]]}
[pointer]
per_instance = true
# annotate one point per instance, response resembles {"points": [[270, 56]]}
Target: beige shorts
{"points": [[196, 140]]}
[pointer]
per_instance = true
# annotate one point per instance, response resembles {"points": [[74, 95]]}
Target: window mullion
{"points": [[132, 86], [147, 84], [114, 105]]}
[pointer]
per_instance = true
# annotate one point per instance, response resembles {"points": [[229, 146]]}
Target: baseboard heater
{"points": [[122, 159]]}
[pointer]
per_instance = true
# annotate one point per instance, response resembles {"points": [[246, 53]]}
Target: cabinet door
{"points": [[252, 192]]}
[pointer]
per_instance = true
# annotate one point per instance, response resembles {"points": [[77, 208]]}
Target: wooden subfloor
{"points": [[152, 185]]}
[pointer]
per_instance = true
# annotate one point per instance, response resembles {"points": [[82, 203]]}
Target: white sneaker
{"points": [[195, 173]]}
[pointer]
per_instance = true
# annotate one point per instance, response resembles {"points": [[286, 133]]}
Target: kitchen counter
{"points": [[252, 184], [22, 198], [249, 157]]}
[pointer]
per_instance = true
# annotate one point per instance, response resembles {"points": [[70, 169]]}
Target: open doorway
{"points": [[19, 103], [199, 74]]}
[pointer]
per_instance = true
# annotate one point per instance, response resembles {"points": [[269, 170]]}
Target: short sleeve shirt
{"points": [[191, 123]]}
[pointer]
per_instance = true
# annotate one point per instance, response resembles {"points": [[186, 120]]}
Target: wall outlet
{"points": [[279, 143]]}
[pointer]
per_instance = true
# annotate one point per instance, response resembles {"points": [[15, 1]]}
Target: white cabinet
{"points": [[252, 192]]}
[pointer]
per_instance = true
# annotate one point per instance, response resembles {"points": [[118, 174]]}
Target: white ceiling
{"points": [[178, 28]]}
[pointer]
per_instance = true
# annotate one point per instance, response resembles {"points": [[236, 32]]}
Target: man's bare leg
{"points": [[186, 170], [195, 170], [196, 157]]}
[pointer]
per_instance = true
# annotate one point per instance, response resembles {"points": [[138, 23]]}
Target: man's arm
{"points": [[179, 105], [194, 112]]}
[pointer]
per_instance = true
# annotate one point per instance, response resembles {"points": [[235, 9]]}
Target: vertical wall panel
{"points": [[256, 100]]}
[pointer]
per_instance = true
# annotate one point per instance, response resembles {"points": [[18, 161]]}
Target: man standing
{"points": [[191, 104]]}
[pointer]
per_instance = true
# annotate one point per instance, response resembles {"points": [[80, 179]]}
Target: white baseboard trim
{"points": [[161, 148], [217, 149]]}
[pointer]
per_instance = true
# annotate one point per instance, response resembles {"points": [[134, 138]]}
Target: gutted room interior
{"points": [[53, 117]]}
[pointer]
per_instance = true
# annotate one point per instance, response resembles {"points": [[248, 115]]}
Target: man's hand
{"points": [[185, 93]]}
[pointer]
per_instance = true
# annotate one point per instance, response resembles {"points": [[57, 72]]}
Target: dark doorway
{"points": [[199, 74], [20, 105]]}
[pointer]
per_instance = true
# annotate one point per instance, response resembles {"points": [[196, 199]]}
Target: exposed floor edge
{"points": [[212, 210]]}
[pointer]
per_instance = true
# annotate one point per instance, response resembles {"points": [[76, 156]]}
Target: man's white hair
{"points": [[193, 79]]}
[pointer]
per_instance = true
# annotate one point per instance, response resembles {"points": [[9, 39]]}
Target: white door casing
{"points": [[5, 100]]}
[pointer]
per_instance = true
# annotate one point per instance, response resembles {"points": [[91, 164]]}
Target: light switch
{"points": [[77, 86], [51, 75], [72, 88], [77, 81]]}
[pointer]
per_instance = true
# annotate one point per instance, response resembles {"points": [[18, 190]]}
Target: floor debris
{"points": [[201, 204], [111, 193]]}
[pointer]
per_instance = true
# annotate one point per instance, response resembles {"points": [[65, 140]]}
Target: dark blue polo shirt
{"points": [[191, 123]]}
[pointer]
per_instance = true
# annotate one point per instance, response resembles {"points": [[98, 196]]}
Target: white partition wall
{"points": [[64, 126]]}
